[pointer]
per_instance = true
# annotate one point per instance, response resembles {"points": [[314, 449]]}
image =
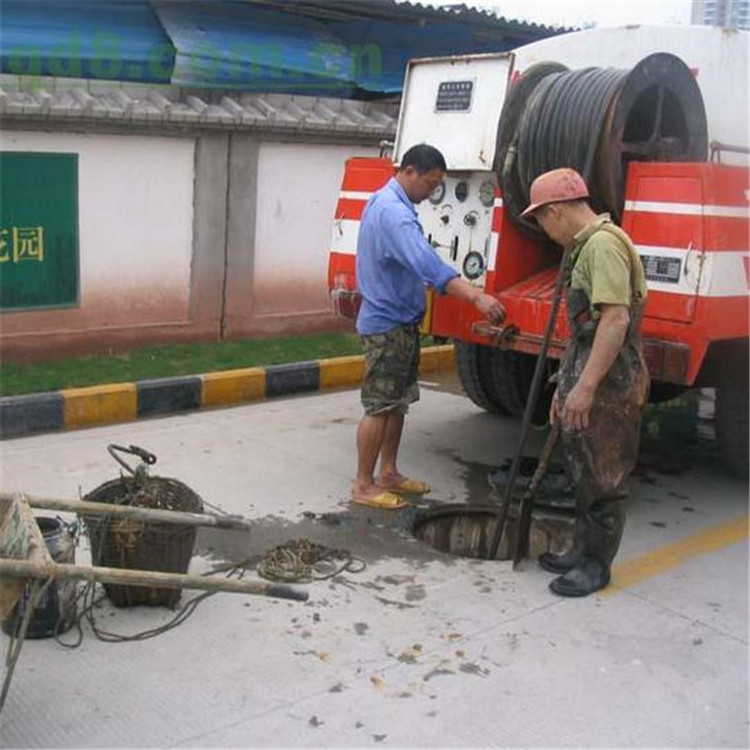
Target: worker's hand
{"points": [[554, 408], [490, 308], [577, 407]]}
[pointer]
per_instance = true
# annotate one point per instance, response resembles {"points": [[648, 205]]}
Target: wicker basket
{"points": [[138, 545]]}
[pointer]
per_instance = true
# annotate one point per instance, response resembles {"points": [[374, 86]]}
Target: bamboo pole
{"points": [[83, 507], [27, 569]]}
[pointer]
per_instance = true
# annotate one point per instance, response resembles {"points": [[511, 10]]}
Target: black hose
{"points": [[560, 127], [554, 117]]}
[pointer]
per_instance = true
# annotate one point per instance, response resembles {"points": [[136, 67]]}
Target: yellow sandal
{"points": [[385, 500], [411, 487]]}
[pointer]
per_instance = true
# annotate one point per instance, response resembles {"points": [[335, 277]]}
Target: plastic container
{"points": [[57, 609]]}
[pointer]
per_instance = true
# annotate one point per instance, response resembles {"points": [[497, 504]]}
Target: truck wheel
{"points": [[472, 363], [512, 373], [731, 420], [498, 381]]}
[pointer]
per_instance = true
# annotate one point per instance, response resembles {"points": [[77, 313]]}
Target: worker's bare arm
{"points": [[485, 303]]}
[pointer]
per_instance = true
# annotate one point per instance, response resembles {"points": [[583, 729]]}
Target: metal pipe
{"points": [[83, 507], [536, 382], [124, 577]]}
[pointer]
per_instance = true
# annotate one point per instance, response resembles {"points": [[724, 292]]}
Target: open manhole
{"points": [[467, 531]]}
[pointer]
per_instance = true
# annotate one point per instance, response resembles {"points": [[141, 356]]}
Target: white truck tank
{"points": [[718, 58]]}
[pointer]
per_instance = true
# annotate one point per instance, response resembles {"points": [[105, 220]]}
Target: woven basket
{"points": [[140, 545]]}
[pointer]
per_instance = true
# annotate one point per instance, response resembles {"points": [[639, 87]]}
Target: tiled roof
{"points": [[65, 99]]}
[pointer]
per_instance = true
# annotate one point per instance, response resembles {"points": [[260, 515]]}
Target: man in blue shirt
{"points": [[394, 262]]}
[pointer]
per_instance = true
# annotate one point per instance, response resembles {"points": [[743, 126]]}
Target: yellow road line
{"points": [[661, 559]]}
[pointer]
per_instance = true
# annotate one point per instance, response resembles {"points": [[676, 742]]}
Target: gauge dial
{"points": [[487, 193], [473, 265], [462, 190], [437, 194]]}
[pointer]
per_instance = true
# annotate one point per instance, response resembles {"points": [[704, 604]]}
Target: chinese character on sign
{"points": [[22, 243], [4, 254]]}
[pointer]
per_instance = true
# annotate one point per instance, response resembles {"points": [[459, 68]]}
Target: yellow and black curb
{"points": [[123, 402]]}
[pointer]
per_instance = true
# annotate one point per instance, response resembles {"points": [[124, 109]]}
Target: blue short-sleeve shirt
{"points": [[394, 262]]}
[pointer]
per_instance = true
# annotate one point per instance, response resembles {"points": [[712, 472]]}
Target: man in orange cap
{"points": [[603, 381]]}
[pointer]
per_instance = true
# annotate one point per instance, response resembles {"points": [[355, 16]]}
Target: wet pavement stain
{"points": [[354, 530], [315, 722], [395, 580], [474, 669], [438, 672], [415, 593], [392, 603], [407, 657], [475, 477], [337, 688], [360, 628]]}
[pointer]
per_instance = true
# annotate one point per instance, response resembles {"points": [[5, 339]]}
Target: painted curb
{"points": [[38, 412], [74, 408]]}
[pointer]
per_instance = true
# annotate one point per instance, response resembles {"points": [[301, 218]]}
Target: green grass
{"points": [[172, 360]]}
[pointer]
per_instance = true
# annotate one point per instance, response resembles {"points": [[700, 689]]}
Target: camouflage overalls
{"points": [[600, 458]]}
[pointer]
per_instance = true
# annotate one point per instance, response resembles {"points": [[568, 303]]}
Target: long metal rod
{"points": [[83, 507], [527, 501], [536, 382], [28, 569]]}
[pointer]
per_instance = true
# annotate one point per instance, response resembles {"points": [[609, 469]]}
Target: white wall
{"points": [[135, 224], [298, 188]]}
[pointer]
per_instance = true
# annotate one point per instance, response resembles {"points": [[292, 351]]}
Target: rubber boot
{"points": [[600, 530], [588, 576], [559, 563], [603, 525]]}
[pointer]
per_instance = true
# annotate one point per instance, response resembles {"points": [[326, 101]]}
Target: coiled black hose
{"points": [[595, 120]]}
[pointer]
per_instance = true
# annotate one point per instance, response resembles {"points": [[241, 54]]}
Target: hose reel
{"points": [[597, 120]]}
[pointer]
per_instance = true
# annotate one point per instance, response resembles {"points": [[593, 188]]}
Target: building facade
{"points": [[726, 13]]}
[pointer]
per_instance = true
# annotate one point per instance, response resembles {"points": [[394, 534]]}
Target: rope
{"points": [[303, 561], [90, 602]]}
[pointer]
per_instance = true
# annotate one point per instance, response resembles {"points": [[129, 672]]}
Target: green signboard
{"points": [[38, 230]]}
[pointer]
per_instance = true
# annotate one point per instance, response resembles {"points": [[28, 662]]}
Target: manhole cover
{"points": [[467, 531]]}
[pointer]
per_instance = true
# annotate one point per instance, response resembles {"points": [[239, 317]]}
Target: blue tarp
{"points": [[380, 49], [318, 48], [121, 40], [240, 46]]}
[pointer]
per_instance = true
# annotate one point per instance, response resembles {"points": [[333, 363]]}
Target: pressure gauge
{"points": [[473, 265], [487, 193], [462, 190], [437, 194]]}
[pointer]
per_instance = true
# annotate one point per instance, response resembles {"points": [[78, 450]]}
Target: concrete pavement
{"points": [[421, 649]]}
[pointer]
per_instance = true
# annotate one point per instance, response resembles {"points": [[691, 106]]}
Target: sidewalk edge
{"points": [[92, 406]]}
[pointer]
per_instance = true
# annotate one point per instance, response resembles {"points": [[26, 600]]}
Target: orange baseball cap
{"points": [[556, 186]]}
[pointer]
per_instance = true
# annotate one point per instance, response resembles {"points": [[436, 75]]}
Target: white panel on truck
{"points": [[454, 104]]}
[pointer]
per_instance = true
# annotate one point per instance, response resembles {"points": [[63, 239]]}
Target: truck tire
{"points": [[498, 380], [472, 363], [731, 421], [512, 373]]}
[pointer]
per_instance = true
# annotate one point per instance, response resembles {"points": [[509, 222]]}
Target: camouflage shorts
{"points": [[391, 367]]}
